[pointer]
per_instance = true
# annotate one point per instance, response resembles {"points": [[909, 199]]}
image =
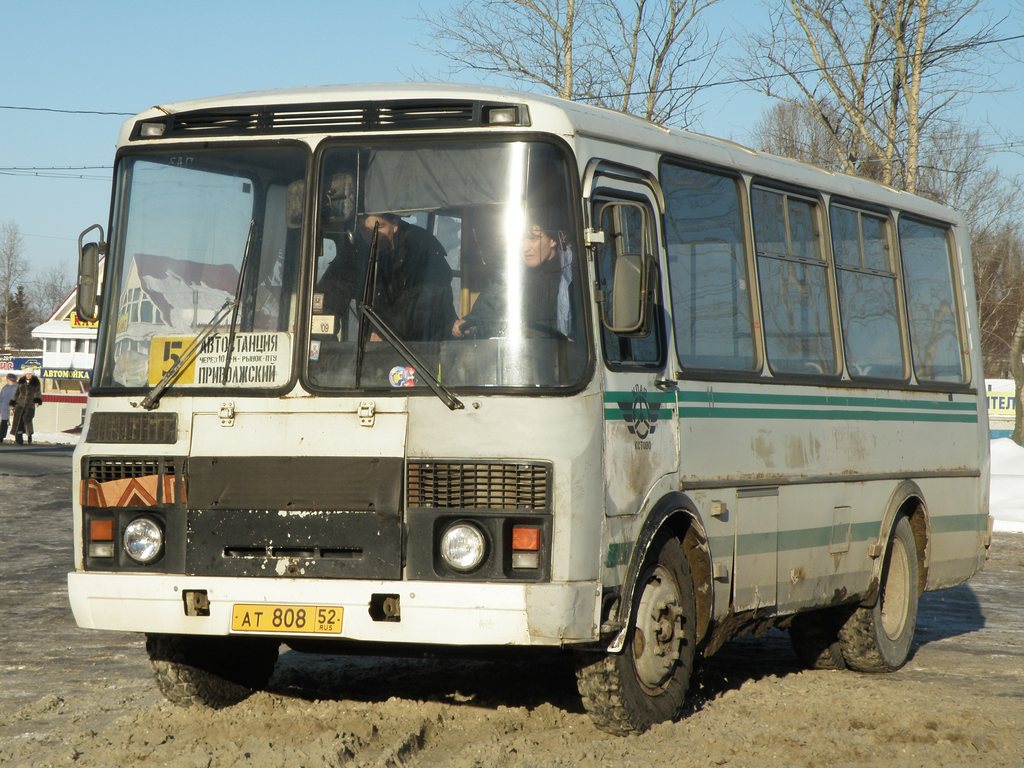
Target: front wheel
{"points": [[213, 672], [648, 681], [878, 638]]}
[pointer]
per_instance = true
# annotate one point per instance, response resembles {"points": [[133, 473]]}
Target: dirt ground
{"points": [[72, 697]]}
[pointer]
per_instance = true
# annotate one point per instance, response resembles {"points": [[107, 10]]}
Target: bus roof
{"points": [[572, 120]]}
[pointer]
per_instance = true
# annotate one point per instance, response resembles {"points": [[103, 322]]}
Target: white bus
{"points": [[430, 366]]}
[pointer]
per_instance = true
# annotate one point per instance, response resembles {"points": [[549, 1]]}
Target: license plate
{"points": [[307, 619]]}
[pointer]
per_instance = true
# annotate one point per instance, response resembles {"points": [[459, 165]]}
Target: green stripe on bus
{"points": [[824, 415], [833, 401], [615, 414], [708, 405], [959, 523], [629, 397], [810, 538]]}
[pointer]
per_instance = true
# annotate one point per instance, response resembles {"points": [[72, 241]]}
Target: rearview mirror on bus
{"points": [[88, 274], [629, 291]]}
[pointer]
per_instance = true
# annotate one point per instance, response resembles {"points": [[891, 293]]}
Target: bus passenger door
{"points": [[641, 452]]}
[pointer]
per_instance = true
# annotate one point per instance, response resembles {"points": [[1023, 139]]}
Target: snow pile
{"points": [[1006, 499]]}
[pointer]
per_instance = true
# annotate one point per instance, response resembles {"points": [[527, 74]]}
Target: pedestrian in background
{"points": [[6, 403], [27, 396]]}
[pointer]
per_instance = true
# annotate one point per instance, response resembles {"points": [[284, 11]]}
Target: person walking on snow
{"points": [[27, 396], [6, 403]]}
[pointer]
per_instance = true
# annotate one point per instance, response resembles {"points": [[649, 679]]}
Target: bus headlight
{"points": [[463, 547], [143, 540]]}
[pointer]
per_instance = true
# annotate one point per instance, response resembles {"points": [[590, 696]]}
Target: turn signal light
{"points": [[101, 537], [101, 530], [526, 544]]}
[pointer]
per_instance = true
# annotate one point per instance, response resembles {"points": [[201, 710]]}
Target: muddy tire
{"points": [[216, 672], [815, 638], [878, 638], [648, 681]]}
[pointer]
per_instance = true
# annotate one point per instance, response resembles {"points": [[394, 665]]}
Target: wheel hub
{"points": [[658, 636]]}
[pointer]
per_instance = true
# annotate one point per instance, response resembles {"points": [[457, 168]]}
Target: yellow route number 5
{"points": [[164, 352]]}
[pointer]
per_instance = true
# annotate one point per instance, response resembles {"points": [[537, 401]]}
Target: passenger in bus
{"points": [[414, 282], [548, 297]]}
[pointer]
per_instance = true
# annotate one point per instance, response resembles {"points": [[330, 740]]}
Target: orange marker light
{"points": [[526, 538], [101, 530]]}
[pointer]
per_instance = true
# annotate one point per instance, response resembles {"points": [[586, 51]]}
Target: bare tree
{"points": [[879, 75], [48, 290], [628, 55], [792, 129], [13, 268]]}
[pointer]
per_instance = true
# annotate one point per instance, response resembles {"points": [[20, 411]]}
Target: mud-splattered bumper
{"points": [[427, 612]]}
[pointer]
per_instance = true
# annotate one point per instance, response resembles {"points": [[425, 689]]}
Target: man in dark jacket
{"points": [[414, 282], [26, 398]]}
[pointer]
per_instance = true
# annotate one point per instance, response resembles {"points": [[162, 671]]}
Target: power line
{"points": [[697, 87], [56, 168], [65, 111], [51, 175], [807, 71]]}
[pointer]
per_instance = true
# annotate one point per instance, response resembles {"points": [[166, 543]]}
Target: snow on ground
{"points": [[1006, 497]]}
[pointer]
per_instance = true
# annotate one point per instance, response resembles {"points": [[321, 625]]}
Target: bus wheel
{"points": [[648, 681], [815, 639], [210, 671], [877, 639]]}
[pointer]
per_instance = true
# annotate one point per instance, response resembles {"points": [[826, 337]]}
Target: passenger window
{"points": [[623, 225], [793, 277], [931, 302], [868, 309], [707, 270]]}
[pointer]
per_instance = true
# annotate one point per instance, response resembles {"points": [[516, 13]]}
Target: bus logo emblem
{"points": [[640, 419]]}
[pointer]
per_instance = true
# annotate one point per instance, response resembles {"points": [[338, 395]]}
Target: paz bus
{"points": [[429, 365]]}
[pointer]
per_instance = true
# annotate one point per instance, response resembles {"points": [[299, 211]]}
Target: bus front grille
{"points": [[478, 485], [104, 470]]}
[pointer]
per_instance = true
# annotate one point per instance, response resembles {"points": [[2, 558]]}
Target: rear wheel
{"points": [[210, 671], [648, 681], [815, 638], [878, 638]]}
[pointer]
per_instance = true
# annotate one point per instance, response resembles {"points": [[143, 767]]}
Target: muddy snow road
{"points": [[71, 697]]}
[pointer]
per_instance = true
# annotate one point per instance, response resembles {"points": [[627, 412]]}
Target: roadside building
{"points": [[69, 349]]}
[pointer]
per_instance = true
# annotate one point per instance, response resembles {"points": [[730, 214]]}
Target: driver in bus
{"points": [[548, 297], [414, 281]]}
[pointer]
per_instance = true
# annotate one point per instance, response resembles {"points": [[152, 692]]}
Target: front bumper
{"points": [[432, 612]]}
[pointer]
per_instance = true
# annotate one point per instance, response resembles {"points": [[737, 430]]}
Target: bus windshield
{"points": [[464, 252], [193, 228]]}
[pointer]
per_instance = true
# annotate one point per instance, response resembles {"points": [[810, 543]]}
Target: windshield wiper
{"points": [[385, 332], [368, 314], [152, 398], [243, 268]]}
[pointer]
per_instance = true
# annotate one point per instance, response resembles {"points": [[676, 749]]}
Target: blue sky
{"points": [[117, 56]]}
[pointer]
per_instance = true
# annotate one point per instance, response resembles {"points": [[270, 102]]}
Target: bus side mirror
{"points": [[629, 295], [89, 274]]}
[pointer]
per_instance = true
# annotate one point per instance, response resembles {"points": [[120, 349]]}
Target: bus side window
{"points": [[707, 269], [931, 302], [793, 277], [868, 307], [623, 227]]}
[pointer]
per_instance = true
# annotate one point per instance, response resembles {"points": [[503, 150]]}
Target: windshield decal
{"points": [[258, 359]]}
